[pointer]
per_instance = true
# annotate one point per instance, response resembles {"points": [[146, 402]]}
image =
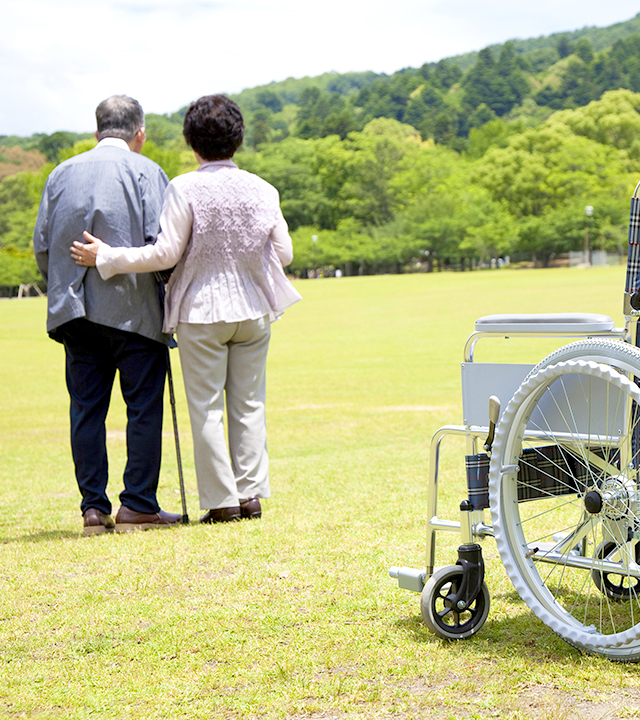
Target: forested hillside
{"points": [[448, 165]]}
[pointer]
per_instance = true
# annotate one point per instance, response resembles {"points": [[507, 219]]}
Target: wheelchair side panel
{"points": [[590, 409], [482, 380]]}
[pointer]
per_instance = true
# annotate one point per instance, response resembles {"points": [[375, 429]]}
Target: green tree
{"points": [[543, 172], [424, 106], [19, 201], [340, 123], [445, 127], [321, 114], [18, 267], [509, 67], [416, 112], [292, 167], [270, 100], [613, 120], [77, 148], [377, 155], [578, 84], [260, 128], [445, 74], [584, 50], [493, 134], [564, 46], [457, 222], [51, 145], [164, 130], [169, 160], [499, 85]]}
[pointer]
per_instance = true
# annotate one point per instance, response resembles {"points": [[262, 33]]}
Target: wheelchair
{"points": [[553, 453]]}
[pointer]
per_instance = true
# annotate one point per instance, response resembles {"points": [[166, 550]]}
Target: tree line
{"points": [[445, 166]]}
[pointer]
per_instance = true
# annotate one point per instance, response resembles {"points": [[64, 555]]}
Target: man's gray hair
{"points": [[119, 117]]}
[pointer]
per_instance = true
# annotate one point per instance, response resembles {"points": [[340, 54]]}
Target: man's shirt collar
{"points": [[113, 142]]}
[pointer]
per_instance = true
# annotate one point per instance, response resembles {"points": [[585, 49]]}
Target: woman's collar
{"points": [[215, 164]]}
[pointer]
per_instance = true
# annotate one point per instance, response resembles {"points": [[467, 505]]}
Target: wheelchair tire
{"points": [[616, 353], [624, 357], [441, 616], [562, 486]]}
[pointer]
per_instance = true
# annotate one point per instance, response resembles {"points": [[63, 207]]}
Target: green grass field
{"points": [[292, 616]]}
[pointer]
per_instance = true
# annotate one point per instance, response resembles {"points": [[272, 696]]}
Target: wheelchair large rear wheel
{"points": [[564, 496]]}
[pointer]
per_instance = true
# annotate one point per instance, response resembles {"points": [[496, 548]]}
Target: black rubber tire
{"points": [[441, 617]]}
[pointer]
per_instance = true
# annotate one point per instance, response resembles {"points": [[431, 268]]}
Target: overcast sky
{"points": [[59, 59]]}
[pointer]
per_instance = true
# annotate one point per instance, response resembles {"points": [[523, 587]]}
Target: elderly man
{"points": [[107, 326]]}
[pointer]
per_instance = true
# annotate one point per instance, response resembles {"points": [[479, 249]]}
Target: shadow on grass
{"points": [[43, 536], [521, 634]]}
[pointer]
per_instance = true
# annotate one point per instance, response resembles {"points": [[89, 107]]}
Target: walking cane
{"points": [[172, 397]]}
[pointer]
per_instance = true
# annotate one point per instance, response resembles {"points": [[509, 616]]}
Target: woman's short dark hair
{"points": [[213, 127]]}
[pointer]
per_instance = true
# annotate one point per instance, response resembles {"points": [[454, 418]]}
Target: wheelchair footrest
{"points": [[408, 578]]}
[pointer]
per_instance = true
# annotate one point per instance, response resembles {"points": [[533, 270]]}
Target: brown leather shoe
{"points": [[220, 515], [251, 508], [96, 523], [128, 520]]}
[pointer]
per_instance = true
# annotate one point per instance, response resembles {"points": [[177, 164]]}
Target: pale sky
{"points": [[59, 59]]}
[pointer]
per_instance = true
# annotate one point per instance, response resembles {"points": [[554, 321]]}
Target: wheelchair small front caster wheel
{"points": [[617, 586], [442, 615]]}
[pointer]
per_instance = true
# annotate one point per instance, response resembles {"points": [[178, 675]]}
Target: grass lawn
{"points": [[292, 616]]}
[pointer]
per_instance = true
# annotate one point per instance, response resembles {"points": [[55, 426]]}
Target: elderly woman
{"points": [[224, 231]]}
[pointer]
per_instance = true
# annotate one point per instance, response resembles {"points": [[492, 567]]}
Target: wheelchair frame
{"points": [[590, 467]]}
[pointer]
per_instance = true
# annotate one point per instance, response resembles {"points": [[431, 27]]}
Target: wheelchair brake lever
{"points": [[494, 416]]}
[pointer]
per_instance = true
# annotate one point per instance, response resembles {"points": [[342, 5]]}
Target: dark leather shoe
{"points": [[128, 520], [251, 508], [228, 514], [96, 523]]}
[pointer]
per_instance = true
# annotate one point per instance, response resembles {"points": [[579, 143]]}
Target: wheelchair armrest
{"points": [[542, 325], [546, 323]]}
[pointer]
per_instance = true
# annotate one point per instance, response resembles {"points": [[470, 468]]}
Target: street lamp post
{"points": [[314, 240], [587, 254]]}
